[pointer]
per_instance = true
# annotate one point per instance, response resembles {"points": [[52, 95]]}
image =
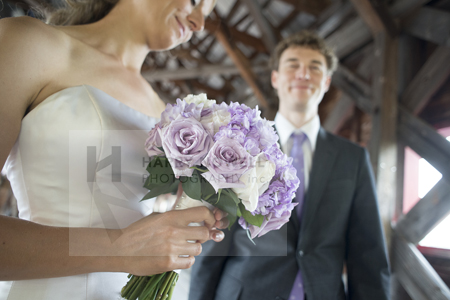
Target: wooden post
{"points": [[383, 144]]}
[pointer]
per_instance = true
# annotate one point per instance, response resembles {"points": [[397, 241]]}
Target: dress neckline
{"points": [[86, 86]]}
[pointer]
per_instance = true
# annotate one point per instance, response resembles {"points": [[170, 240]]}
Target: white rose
{"points": [[256, 181], [198, 99], [220, 116]]}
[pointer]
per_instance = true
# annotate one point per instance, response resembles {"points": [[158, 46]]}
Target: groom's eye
{"points": [[195, 2]]}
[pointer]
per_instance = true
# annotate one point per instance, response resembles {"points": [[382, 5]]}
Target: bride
{"points": [[74, 113]]}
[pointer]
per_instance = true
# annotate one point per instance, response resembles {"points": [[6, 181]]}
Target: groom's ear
{"points": [[274, 79]]}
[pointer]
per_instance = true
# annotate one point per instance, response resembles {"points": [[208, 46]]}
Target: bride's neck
{"points": [[115, 36]]}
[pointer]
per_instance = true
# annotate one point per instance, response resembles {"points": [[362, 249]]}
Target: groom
{"points": [[336, 222]]}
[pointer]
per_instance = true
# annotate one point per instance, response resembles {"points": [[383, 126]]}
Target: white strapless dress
{"points": [[79, 161]]}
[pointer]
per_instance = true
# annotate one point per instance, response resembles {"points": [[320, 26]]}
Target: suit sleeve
{"points": [[207, 270], [366, 256]]}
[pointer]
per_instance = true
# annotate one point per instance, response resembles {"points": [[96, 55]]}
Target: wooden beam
{"points": [[341, 112], [425, 141], [200, 71], [402, 8], [335, 20], [243, 37], [431, 25], [427, 81], [241, 63], [415, 273], [376, 16], [353, 87], [426, 214], [355, 80], [305, 6], [383, 143], [350, 37], [356, 33], [269, 37]]}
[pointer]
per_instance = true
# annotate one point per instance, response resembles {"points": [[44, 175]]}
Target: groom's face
{"points": [[301, 79]]}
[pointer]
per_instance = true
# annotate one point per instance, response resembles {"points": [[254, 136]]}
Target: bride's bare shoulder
{"points": [[29, 49], [29, 31]]}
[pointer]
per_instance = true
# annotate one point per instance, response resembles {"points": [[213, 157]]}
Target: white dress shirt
{"points": [[311, 129]]}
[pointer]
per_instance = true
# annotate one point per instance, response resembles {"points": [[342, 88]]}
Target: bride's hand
{"points": [[155, 243]]}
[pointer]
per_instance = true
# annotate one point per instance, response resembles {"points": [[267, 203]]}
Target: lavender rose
{"points": [[185, 143], [226, 162], [270, 223], [153, 142]]}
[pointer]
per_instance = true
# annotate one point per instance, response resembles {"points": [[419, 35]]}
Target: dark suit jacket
{"points": [[340, 224]]}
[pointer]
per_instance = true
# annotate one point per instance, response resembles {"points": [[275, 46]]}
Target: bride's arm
{"points": [[149, 246], [26, 66]]}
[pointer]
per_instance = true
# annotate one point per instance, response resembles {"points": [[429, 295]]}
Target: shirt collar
{"points": [[286, 128]]}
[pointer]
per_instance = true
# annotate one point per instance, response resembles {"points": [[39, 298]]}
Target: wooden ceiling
{"points": [[229, 60]]}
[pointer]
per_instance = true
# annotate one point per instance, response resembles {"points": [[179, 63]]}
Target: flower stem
{"points": [[164, 285], [137, 291]]}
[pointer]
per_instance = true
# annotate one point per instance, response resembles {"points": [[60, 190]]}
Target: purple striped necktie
{"points": [[297, 292]]}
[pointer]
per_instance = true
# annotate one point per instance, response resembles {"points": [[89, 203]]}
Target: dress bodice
{"points": [[79, 161]]}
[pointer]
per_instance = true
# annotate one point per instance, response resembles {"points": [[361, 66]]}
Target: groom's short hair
{"points": [[306, 39]]}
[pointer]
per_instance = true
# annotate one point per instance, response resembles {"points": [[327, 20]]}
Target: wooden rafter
{"points": [[416, 275], [311, 7], [349, 38], [341, 112], [241, 36], [383, 144], [427, 81], [428, 212], [403, 8], [269, 37], [431, 25], [353, 87], [425, 141], [241, 63], [376, 15], [335, 20]]}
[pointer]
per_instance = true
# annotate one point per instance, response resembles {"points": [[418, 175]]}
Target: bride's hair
{"points": [[78, 12]]}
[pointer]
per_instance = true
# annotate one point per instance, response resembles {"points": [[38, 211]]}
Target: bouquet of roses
{"points": [[224, 155]]}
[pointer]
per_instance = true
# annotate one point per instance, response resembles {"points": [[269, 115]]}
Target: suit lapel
{"points": [[323, 161]]}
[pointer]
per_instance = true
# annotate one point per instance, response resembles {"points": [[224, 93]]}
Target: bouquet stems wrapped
{"points": [[155, 287]]}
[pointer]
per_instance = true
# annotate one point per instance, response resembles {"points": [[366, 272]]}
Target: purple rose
{"points": [[186, 143], [153, 142], [270, 223], [226, 162]]}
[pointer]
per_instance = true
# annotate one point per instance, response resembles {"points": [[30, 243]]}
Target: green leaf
{"points": [[192, 185], [163, 189], [232, 220], [232, 195], [226, 204], [207, 188], [256, 220], [239, 214]]}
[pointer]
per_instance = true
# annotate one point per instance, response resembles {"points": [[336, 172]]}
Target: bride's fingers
{"points": [[221, 219], [195, 215], [184, 262], [187, 249], [193, 233]]}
